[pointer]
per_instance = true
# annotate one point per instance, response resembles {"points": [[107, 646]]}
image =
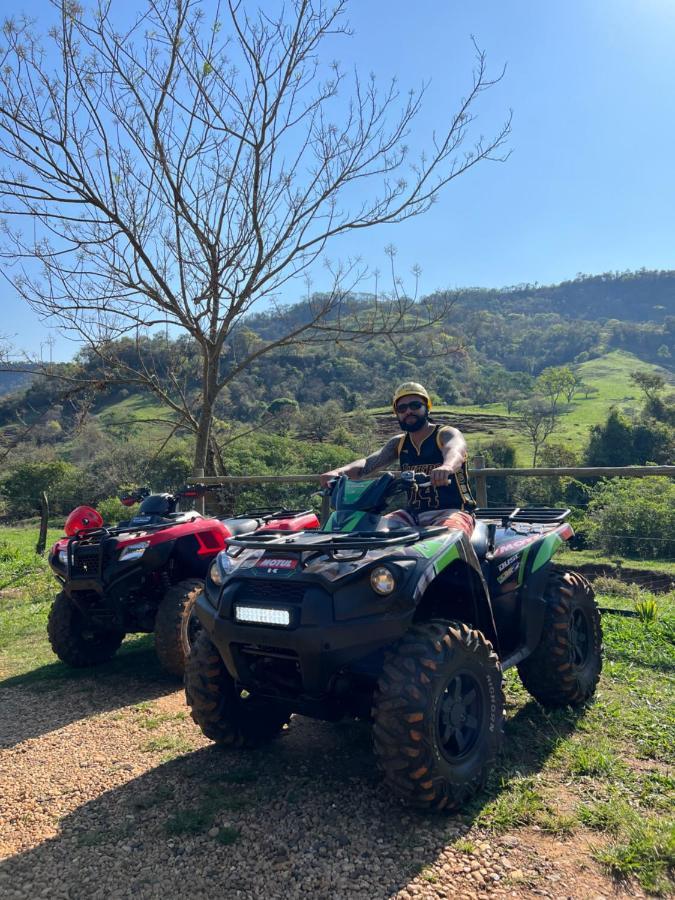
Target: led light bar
{"points": [[262, 616]]}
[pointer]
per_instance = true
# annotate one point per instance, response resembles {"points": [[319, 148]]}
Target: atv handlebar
{"points": [[189, 490], [401, 480]]}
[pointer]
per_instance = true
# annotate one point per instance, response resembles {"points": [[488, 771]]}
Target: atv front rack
{"points": [[330, 544], [536, 515]]}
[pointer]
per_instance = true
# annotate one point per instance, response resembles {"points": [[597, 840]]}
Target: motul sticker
{"points": [[269, 563]]}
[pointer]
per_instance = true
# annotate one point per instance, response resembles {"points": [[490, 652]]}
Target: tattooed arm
{"points": [[453, 448], [378, 460]]}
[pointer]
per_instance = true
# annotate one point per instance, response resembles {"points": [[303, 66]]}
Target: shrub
{"points": [[113, 510], [634, 517], [647, 608], [620, 442], [24, 485], [499, 454]]}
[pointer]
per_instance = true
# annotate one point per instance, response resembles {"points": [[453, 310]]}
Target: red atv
{"points": [[143, 575]]}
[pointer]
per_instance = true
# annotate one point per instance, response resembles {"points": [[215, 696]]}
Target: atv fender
{"points": [[535, 571], [452, 585]]}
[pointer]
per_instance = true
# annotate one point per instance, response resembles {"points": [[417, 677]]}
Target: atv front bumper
{"points": [[323, 637]]}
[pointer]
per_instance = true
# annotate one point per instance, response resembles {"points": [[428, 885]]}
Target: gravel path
{"points": [[107, 790]]}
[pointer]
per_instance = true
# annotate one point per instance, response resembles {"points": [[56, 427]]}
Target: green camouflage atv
{"points": [[410, 628]]}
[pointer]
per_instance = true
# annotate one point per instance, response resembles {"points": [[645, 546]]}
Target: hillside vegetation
{"points": [[87, 432]]}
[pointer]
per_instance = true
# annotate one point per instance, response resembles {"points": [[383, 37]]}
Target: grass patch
{"points": [[153, 722], [609, 815], [201, 815], [645, 851], [589, 758], [167, 743], [518, 804], [228, 835], [190, 821], [429, 875], [610, 374], [647, 609], [558, 824], [464, 845], [575, 558]]}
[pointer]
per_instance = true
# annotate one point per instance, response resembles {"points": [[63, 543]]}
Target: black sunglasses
{"points": [[414, 404]]}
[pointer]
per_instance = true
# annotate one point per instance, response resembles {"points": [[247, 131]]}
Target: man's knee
{"points": [[461, 520]]}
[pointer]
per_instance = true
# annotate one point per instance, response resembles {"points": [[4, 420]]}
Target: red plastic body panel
{"points": [[211, 535], [198, 526], [305, 522]]}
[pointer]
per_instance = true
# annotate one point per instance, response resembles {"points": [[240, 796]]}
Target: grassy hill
{"points": [[610, 374]]}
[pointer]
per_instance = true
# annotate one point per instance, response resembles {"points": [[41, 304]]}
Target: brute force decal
{"points": [[507, 562]]}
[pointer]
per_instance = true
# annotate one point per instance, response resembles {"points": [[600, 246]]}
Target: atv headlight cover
{"points": [[221, 567], [134, 551], [382, 580]]}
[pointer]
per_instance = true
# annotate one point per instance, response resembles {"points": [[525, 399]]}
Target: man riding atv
{"points": [[438, 451]]}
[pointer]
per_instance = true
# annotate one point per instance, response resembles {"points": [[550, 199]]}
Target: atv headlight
{"points": [[134, 551], [221, 567], [63, 557], [382, 581]]}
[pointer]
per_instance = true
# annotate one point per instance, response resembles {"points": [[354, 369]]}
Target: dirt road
{"points": [[108, 790]]}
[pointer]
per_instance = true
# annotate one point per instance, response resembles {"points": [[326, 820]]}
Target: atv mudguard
{"points": [[452, 586], [534, 570]]}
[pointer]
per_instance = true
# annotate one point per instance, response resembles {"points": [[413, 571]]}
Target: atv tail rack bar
{"points": [[541, 515]]}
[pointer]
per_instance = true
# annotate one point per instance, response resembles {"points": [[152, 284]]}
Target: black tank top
{"points": [[457, 494]]}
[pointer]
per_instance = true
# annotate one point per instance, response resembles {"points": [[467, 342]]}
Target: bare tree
{"points": [[175, 171]]}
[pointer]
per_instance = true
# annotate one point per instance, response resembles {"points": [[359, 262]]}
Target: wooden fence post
{"points": [[481, 481], [44, 522], [201, 501], [325, 508]]}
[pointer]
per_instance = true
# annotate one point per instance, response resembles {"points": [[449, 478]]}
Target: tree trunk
{"points": [[209, 395]]}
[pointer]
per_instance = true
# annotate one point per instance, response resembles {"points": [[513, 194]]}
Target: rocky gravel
{"points": [[107, 790]]}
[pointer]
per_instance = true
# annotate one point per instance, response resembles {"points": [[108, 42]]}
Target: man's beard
{"points": [[419, 422]]}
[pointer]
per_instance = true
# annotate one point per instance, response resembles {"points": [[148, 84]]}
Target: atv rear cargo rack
{"points": [[539, 515]]}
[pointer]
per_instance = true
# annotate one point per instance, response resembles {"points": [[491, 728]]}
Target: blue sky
{"points": [[590, 183]]}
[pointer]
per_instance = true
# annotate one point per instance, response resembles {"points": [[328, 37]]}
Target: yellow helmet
{"points": [[411, 387]]}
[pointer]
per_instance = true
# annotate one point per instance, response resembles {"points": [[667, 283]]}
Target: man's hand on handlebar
{"points": [[327, 478], [440, 476]]}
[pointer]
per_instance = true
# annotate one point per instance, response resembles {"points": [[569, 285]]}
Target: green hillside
{"points": [[484, 356], [610, 374]]}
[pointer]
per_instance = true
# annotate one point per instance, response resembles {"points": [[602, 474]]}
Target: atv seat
{"points": [[479, 539], [241, 526]]}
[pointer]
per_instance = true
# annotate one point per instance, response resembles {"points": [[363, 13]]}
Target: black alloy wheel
{"points": [[459, 716]]}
